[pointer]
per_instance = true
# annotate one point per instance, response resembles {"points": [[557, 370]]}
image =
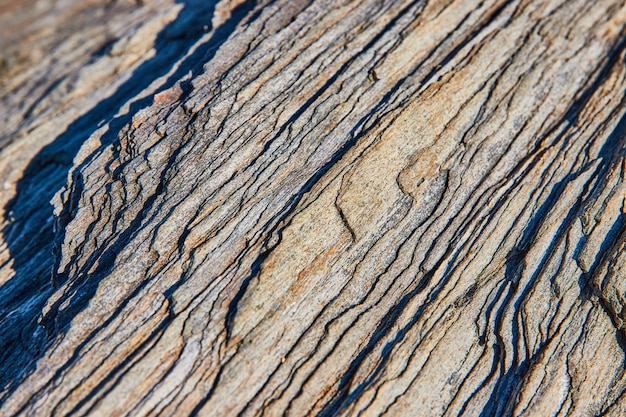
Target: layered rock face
{"points": [[312, 207]]}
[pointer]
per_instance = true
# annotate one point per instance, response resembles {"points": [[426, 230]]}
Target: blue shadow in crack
{"points": [[30, 236]]}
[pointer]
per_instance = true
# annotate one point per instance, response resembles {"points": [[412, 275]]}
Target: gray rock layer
{"points": [[289, 207]]}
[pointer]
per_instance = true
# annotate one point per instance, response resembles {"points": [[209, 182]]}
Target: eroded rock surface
{"points": [[313, 207]]}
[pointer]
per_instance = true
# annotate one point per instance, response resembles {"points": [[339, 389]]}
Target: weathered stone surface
{"points": [[287, 207]]}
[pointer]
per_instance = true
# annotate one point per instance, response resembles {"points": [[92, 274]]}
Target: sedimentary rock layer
{"points": [[285, 207]]}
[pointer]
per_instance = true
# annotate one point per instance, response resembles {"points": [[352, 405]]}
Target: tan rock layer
{"points": [[314, 207]]}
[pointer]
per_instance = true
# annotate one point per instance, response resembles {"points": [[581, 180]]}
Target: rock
{"points": [[312, 207]]}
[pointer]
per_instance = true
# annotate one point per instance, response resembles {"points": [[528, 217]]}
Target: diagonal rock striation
{"points": [[286, 207]]}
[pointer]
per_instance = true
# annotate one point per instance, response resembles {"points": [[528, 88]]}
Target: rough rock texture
{"points": [[290, 207]]}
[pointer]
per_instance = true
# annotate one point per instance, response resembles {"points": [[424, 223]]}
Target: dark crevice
{"points": [[30, 234]]}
